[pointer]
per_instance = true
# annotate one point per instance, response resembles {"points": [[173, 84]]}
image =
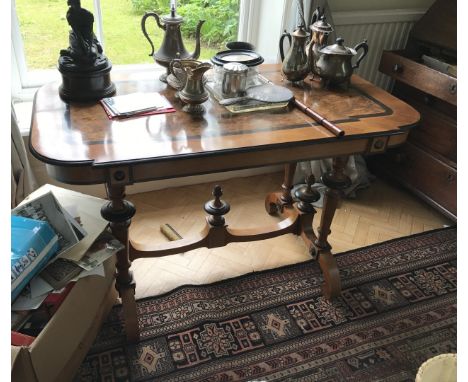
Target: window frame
{"points": [[24, 82]]}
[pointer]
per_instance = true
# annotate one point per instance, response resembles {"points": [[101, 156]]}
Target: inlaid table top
{"points": [[81, 136]]}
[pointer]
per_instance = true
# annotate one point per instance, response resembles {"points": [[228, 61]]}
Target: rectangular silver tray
{"points": [[245, 106]]}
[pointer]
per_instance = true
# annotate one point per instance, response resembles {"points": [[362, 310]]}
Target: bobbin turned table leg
{"points": [[275, 202], [306, 196], [119, 212], [336, 181]]}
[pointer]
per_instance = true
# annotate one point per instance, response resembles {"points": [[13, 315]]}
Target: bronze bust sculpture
{"points": [[84, 67]]}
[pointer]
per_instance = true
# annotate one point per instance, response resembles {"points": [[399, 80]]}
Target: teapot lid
{"points": [[300, 32], [322, 26], [172, 19], [338, 48]]}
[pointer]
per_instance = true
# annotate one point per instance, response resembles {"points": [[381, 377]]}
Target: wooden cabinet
{"points": [[419, 76], [427, 174], [427, 163]]}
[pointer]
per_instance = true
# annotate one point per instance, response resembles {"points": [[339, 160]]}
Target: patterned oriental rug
{"points": [[397, 309]]}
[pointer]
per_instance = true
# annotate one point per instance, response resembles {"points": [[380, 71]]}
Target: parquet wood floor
{"points": [[380, 212]]}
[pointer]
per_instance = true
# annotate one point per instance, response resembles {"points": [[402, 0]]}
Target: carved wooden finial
{"points": [[307, 195], [217, 207], [310, 180], [217, 193]]}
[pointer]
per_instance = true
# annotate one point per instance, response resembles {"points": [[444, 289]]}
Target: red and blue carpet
{"points": [[397, 309]]}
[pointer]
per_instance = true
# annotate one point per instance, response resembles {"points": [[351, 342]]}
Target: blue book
{"points": [[33, 244]]}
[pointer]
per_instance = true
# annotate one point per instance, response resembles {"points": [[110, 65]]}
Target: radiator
{"points": [[384, 30]]}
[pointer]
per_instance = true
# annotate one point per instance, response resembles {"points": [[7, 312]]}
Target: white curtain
{"points": [[23, 181], [311, 6], [292, 19]]}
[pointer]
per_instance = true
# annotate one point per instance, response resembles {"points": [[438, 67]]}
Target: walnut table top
{"points": [[80, 144]]}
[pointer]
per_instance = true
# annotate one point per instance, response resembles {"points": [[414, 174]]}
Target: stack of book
{"points": [[33, 244], [136, 105], [40, 230]]}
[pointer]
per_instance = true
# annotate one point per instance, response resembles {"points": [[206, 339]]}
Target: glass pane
{"points": [[45, 29], [126, 44]]}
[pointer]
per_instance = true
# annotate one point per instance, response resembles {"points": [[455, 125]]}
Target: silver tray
{"points": [[248, 105]]}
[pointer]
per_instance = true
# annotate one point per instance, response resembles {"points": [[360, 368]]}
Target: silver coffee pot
{"points": [[172, 46], [295, 63]]}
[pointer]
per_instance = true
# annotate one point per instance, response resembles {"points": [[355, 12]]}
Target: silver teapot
{"points": [[334, 63]]}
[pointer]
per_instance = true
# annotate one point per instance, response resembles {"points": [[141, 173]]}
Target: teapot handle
{"points": [[365, 48], [143, 27], [281, 43]]}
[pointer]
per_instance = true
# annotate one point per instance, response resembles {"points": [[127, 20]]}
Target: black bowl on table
{"points": [[240, 45], [244, 56]]}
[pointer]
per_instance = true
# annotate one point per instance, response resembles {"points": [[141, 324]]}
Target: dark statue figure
{"points": [[84, 49], [84, 67]]}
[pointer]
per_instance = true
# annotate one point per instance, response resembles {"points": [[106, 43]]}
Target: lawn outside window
{"points": [[28, 77], [35, 46]]}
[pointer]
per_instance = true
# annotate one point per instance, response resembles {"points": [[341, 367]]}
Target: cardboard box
{"points": [[58, 351]]}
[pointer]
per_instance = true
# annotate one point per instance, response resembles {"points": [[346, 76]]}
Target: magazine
{"points": [[81, 207], [47, 208], [61, 271], [31, 247], [104, 247]]}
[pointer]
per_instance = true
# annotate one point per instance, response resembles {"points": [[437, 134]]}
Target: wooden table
{"points": [[80, 145]]}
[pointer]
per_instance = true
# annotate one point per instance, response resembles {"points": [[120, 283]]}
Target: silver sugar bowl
{"points": [[234, 83]]}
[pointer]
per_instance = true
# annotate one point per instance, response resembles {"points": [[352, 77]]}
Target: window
{"points": [[28, 74], [40, 30]]}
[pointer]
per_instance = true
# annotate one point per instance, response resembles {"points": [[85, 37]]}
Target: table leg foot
{"points": [[127, 294], [331, 286], [272, 203]]}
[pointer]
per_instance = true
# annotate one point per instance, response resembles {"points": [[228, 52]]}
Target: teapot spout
{"points": [[196, 52], [202, 68]]}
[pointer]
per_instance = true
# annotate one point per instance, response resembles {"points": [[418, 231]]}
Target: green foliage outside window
{"points": [[44, 28], [221, 16]]}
